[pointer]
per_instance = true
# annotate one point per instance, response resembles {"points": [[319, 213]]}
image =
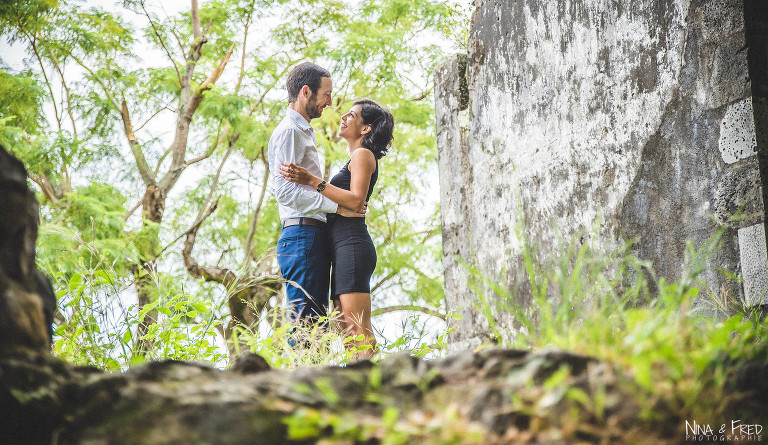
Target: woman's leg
{"points": [[339, 316], [356, 313]]}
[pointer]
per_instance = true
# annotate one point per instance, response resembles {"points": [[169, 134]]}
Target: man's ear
{"points": [[305, 91]]}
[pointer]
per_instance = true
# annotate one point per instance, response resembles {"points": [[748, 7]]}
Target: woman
{"points": [[367, 128]]}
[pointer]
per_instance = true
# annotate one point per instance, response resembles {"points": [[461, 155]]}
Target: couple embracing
{"points": [[324, 239]]}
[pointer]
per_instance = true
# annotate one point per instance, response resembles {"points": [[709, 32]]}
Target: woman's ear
{"points": [[367, 129]]}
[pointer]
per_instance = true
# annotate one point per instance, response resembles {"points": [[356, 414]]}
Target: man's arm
{"points": [[288, 147], [361, 167]]}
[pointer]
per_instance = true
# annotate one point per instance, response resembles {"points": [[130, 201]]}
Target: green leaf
{"points": [[75, 282], [127, 337]]}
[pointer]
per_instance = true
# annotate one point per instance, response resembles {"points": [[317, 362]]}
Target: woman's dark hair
{"points": [[308, 74], [382, 125]]}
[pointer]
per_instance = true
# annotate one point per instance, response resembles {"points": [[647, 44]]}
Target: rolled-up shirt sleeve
{"points": [[289, 148]]}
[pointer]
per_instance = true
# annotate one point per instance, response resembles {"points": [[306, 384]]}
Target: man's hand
{"points": [[345, 212]]}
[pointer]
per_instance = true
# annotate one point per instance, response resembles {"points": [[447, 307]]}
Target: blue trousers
{"points": [[304, 257]]}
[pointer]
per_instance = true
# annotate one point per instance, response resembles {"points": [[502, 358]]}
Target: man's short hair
{"points": [[308, 74]]}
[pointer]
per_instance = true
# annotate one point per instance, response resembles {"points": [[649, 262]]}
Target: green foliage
{"points": [[391, 428], [459, 22], [21, 103], [603, 304], [186, 329], [97, 326], [18, 16], [96, 209], [63, 115], [275, 339], [316, 344], [21, 118]]}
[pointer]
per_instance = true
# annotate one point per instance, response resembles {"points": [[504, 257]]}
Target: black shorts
{"points": [[353, 257]]}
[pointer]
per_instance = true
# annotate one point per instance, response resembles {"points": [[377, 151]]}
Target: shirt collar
{"points": [[299, 120]]}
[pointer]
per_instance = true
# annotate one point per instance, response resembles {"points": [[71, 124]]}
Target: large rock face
{"points": [[497, 396], [27, 301], [610, 120]]}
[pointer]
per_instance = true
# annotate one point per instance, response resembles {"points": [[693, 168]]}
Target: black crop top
{"points": [[343, 178]]}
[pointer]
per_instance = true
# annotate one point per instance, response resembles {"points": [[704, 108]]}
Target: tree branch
{"points": [[215, 183], [201, 157], [46, 187], [216, 274], [195, 13], [245, 41], [179, 145], [421, 96], [203, 213], [98, 79], [130, 212], [408, 307], [384, 280], [55, 61], [162, 43], [256, 211], [138, 154], [210, 22], [195, 50], [160, 110], [214, 76], [178, 39], [220, 136], [162, 158], [33, 42]]}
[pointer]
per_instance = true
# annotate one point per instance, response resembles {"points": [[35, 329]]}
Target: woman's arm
{"points": [[361, 167]]}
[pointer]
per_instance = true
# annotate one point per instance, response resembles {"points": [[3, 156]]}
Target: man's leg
{"points": [[304, 259]]}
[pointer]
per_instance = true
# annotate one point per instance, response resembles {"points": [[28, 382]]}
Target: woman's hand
{"points": [[296, 173]]}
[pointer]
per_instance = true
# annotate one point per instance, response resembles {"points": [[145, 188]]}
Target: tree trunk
{"points": [[153, 205]]}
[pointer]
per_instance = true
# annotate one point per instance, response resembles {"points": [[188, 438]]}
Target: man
{"points": [[303, 250]]}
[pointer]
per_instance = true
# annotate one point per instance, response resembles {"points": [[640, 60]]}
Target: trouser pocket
{"points": [[296, 241]]}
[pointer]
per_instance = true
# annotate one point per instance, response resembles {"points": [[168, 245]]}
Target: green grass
{"points": [[611, 306]]}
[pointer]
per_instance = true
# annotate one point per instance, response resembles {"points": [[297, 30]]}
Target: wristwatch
{"points": [[321, 186]]}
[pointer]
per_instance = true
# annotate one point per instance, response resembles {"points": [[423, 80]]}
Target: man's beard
{"points": [[313, 110]]}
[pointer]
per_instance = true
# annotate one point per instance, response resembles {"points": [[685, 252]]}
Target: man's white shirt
{"points": [[293, 140]]}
